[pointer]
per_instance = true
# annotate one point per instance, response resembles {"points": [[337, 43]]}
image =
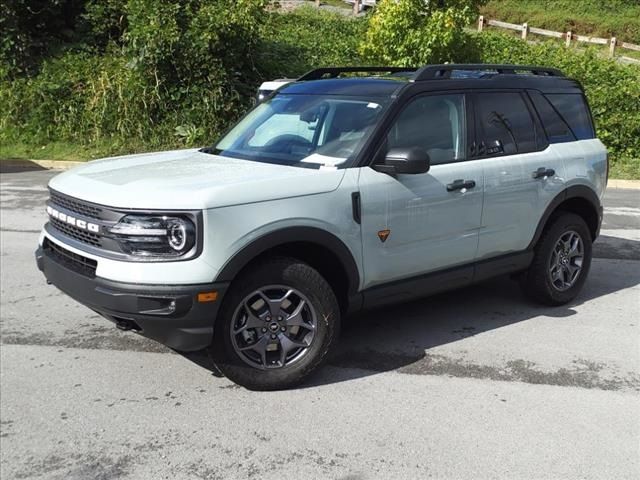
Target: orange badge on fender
{"points": [[383, 235]]}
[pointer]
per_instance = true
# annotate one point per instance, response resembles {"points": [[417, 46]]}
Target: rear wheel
{"points": [[561, 262], [277, 325]]}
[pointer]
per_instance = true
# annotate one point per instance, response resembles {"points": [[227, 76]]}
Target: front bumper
{"points": [[169, 314]]}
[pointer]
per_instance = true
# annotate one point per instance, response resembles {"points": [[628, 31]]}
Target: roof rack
{"points": [[431, 72], [333, 72]]}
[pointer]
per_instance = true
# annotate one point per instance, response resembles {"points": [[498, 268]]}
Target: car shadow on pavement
{"points": [[616, 248], [399, 337]]}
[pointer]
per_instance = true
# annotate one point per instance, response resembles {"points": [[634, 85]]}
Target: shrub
{"points": [[414, 32], [183, 65], [296, 42], [104, 21], [30, 29]]}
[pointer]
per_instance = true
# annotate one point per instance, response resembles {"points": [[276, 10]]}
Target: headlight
{"points": [[155, 236]]}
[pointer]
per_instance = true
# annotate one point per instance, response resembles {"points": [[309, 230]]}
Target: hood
{"points": [[189, 179]]}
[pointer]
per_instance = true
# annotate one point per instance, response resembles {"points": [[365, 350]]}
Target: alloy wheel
{"points": [[566, 261], [273, 327]]}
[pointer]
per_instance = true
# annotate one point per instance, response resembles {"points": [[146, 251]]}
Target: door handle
{"points": [[460, 185], [543, 172]]}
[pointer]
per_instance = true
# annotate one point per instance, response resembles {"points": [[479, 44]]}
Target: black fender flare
{"points": [[314, 235], [575, 191]]}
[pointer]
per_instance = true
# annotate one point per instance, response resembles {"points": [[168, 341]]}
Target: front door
{"points": [[417, 224]]}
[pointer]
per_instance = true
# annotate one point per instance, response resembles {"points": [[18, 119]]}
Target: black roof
{"points": [[327, 81]]}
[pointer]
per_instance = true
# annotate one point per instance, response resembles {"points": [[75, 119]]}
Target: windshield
{"points": [[303, 130]]}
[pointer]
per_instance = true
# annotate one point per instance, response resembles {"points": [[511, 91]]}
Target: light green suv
{"points": [[336, 193]]}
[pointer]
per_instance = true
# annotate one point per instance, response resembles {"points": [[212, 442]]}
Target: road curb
{"points": [[628, 184], [67, 164], [39, 164]]}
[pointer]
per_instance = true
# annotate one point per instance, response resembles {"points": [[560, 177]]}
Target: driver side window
{"points": [[436, 124]]}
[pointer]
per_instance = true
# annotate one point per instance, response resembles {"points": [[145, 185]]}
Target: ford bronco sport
{"points": [[337, 193]]}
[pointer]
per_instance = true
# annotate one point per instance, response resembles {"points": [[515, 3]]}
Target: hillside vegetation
{"points": [[104, 77], [620, 18]]}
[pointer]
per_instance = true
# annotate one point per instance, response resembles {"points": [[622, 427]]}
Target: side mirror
{"points": [[404, 160]]}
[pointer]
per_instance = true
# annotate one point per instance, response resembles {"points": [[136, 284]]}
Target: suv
{"points": [[337, 193]]}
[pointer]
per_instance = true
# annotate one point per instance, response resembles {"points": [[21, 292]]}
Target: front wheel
{"points": [[561, 262], [277, 325]]}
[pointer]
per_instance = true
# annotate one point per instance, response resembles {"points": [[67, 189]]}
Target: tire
{"points": [[256, 357], [551, 279]]}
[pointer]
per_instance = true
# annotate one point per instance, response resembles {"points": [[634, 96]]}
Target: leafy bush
{"points": [[104, 21], [414, 32], [296, 42], [30, 29], [181, 64]]}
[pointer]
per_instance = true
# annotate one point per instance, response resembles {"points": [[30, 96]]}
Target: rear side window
{"points": [[505, 123], [557, 129], [573, 109]]}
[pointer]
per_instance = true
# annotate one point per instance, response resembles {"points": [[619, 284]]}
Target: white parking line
{"points": [[625, 211], [12, 188], [632, 234]]}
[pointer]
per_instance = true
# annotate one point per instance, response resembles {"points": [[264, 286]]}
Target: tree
{"points": [[415, 32]]}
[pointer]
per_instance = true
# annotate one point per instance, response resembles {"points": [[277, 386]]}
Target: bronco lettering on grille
{"points": [[76, 222]]}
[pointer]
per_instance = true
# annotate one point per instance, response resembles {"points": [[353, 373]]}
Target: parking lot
{"points": [[477, 383]]}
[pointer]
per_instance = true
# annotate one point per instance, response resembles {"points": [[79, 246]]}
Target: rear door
{"points": [[567, 122], [520, 171]]}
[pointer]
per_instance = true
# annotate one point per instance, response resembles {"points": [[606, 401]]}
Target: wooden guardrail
{"points": [[568, 37]]}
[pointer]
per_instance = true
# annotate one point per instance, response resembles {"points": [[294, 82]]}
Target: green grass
{"points": [[625, 169], [619, 18], [61, 150]]}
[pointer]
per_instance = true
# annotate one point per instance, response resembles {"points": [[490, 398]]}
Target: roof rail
{"points": [[431, 72], [333, 72]]}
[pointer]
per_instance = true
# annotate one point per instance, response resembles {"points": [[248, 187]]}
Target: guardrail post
{"points": [[356, 7], [318, 3], [568, 39], [480, 23], [525, 30], [612, 47]]}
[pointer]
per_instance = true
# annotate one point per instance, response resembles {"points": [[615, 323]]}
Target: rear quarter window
{"points": [[555, 127], [572, 107]]}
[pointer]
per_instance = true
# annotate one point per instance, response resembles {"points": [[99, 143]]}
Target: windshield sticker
{"points": [[373, 105], [323, 160]]}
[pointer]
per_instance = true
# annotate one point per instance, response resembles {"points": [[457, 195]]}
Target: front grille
{"points": [[83, 265], [76, 233], [77, 206]]}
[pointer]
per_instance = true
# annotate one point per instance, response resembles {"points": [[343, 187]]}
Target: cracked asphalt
{"points": [[472, 384]]}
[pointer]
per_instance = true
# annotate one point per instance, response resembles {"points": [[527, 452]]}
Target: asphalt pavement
{"points": [[472, 384]]}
